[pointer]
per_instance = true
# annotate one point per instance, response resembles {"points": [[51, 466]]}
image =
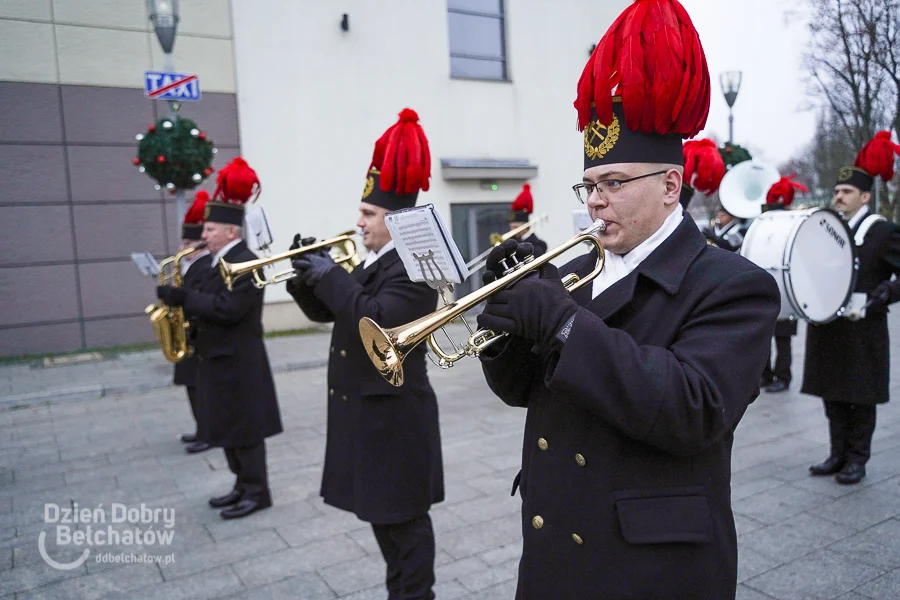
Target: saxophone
{"points": [[168, 321]]}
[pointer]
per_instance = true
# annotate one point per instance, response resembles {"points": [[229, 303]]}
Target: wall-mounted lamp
{"points": [[345, 22]]}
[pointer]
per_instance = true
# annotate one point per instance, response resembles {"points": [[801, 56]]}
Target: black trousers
{"points": [[408, 550], [850, 427], [192, 399], [249, 466], [782, 367]]}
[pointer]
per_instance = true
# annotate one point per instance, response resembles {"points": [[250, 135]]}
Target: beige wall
{"points": [[111, 42]]}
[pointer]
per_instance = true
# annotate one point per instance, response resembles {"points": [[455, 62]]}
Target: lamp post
{"points": [[731, 85], [164, 16]]}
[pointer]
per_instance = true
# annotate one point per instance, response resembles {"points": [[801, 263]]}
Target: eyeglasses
{"points": [[583, 191]]}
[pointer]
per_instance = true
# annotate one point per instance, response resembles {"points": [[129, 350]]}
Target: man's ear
{"points": [[673, 182], [866, 196]]}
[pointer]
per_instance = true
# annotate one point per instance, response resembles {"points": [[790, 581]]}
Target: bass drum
{"points": [[812, 257]]}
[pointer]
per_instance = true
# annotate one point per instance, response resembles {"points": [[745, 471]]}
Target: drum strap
{"points": [[864, 227]]}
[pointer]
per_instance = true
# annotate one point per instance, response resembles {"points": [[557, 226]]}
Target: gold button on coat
{"points": [[331, 392], [580, 460], [537, 521], [577, 539], [344, 398], [542, 444], [343, 353]]}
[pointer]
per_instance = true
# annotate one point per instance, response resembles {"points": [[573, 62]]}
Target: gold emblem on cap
{"points": [[370, 185], [845, 174], [600, 139], [206, 212]]}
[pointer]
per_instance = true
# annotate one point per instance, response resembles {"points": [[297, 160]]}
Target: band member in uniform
{"points": [[195, 268], [776, 376], [520, 213], [634, 384], [727, 231], [847, 360], [238, 408], [383, 448]]}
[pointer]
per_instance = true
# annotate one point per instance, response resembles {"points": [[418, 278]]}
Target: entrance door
{"points": [[473, 225]]}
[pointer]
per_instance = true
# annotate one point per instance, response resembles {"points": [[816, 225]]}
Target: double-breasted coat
{"points": [[849, 361], [185, 372], [237, 405], [626, 458], [383, 449]]}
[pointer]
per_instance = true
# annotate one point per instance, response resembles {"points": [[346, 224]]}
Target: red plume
{"points": [[782, 192], [194, 215], [651, 57], [403, 157], [877, 157], [703, 166], [237, 182], [523, 202]]}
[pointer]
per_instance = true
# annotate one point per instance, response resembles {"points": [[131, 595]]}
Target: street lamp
{"points": [[164, 16], [731, 85]]}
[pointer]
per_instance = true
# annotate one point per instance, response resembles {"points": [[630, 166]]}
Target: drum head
{"points": [[821, 273]]}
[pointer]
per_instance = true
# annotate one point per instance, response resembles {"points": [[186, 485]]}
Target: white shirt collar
{"points": [[224, 251], [371, 257], [859, 216], [618, 267]]}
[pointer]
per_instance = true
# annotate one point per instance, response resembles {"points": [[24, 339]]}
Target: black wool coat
{"points": [[186, 369], [849, 361], [236, 401], [626, 459], [383, 449]]}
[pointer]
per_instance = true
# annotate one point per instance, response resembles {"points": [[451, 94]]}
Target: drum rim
{"points": [[788, 249]]}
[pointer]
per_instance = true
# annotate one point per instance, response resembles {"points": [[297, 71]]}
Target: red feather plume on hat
{"points": [[237, 182], [194, 215], [877, 156], [703, 166], [402, 156], [782, 191], [523, 202], [651, 57]]}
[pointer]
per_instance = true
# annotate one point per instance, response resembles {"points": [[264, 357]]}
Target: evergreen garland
{"points": [[733, 154], [177, 154]]}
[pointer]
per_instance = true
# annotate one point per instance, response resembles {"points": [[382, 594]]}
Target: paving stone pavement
{"points": [[799, 537]]}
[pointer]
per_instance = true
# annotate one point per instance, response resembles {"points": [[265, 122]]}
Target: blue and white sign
{"points": [[159, 85]]}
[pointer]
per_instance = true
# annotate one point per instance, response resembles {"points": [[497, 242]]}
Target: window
{"points": [[477, 43]]}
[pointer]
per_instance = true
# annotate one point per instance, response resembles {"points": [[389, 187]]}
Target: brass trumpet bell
{"points": [[387, 348]]}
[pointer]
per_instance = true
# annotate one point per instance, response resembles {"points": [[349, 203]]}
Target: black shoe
{"points": [[777, 386], [198, 447], [232, 497], [852, 473], [765, 381], [830, 466], [244, 507], [188, 438]]}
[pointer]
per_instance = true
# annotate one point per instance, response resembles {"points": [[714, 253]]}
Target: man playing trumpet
{"points": [[634, 384], [383, 448]]}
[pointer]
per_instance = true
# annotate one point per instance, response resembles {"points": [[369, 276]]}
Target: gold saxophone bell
{"points": [[497, 239], [388, 347], [343, 252], [169, 322]]}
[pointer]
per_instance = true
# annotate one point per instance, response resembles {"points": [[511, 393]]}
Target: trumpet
{"points": [[388, 347], [345, 255], [498, 238]]}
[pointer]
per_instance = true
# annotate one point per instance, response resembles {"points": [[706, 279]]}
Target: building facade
{"points": [[301, 89]]}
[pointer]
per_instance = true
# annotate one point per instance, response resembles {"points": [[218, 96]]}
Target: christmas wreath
{"points": [[177, 154], [733, 154]]}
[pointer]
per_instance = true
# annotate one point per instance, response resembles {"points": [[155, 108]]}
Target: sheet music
{"points": [[425, 245], [145, 263], [257, 233], [581, 218]]}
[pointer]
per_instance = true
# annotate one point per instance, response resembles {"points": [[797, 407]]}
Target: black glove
{"points": [[298, 241], [504, 257], [536, 307], [313, 266], [171, 296], [881, 296]]}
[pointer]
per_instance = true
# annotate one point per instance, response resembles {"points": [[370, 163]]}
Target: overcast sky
{"points": [[771, 115]]}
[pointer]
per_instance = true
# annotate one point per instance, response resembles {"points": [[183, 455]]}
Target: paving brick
{"points": [[355, 575], [306, 586], [258, 545], [878, 546], [777, 504], [822, 574], [208, 584], [286, 563], [795, 537]]}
